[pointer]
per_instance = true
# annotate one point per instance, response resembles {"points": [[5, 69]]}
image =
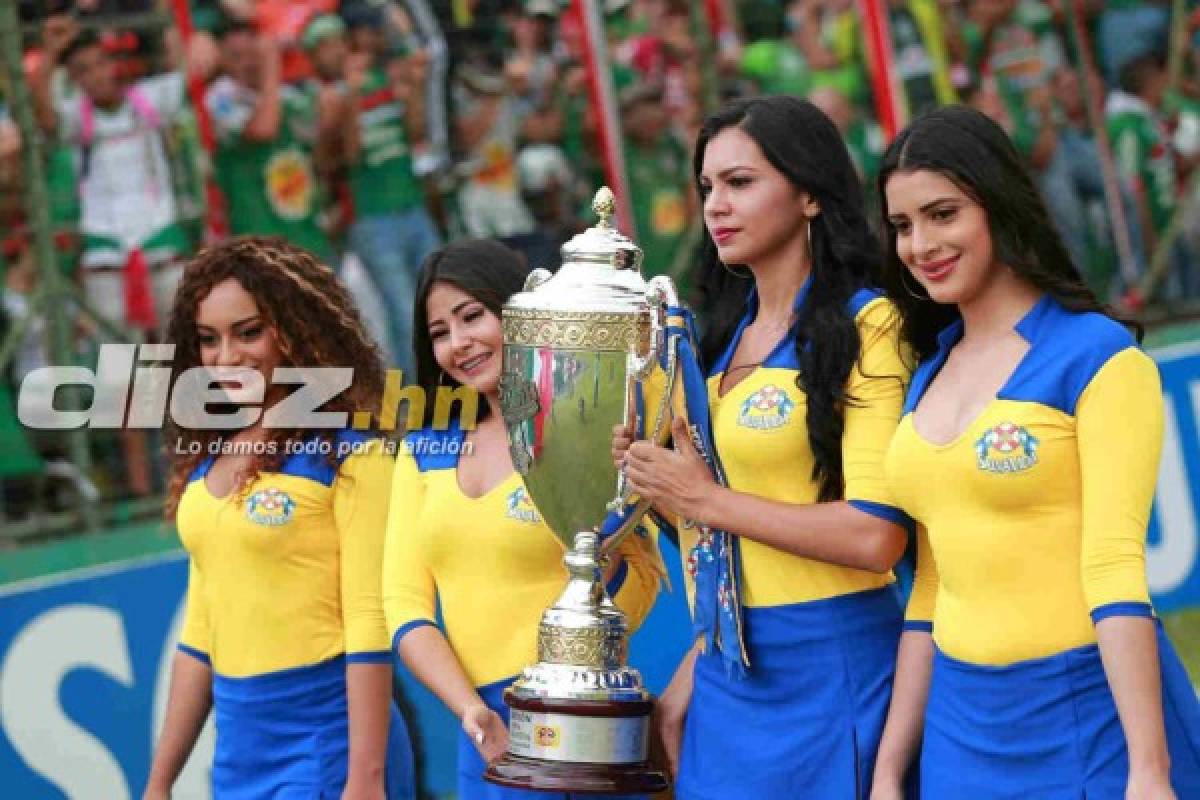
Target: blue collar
{"points": [[1030, 327], [722, 363]]}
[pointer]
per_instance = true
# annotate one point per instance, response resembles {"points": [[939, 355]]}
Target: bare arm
{"points": [[411, 89], [188, 704], [906, 715], [836, 532], [369, 697], [671, 709], [264, 122], [429, 657], [57, 33], [1129, 650]]}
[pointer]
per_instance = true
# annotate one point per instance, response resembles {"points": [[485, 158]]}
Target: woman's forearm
{"points": [[369, 698], [906, 714], [1129, 650], [188, 702], [836, 533], [430, 658]]}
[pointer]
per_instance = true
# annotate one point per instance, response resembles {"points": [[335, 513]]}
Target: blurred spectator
{"points": [[547, 189], [266, 133], [531, 68], [659, 178], [921, 55], [488, 124], [383, 122], [1145, 157], [130, 221], [1130, 29], [864, 138]]}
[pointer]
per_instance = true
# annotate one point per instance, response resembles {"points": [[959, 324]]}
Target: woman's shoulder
{"points": [[1067, 350], [434, 448], [873, 311]]}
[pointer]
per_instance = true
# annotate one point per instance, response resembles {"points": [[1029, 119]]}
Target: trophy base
{"points": [[537, 775]]}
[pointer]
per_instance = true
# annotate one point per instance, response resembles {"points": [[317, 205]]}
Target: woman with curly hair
{"points": [[283, 518]]}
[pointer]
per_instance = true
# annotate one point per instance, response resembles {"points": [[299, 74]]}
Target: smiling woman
{"points": [[1032, 664], [284, 533], [463, 535]]}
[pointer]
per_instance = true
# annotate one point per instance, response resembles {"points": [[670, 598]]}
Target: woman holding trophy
{"points": [[786, 690], [1033, 665], [463, 534]]}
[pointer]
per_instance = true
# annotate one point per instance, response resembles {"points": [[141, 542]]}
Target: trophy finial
{"points": [[604, 204]]}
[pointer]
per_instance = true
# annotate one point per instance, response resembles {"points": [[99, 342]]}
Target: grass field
{"points": [[1184, 629]]}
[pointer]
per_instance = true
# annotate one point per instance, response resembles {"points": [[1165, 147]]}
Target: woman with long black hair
{"points": [[469, 564], [789, 566], [1032, 664]]}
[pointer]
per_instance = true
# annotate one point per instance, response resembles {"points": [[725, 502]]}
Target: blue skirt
{"points": [[472, 786], [1045, 728], [285, 735], [807, 720]]}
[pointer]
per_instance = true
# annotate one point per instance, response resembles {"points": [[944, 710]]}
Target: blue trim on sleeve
{"points": [[618, 579], [918, 625], [885, 512], [409, 626], [199, 655], [1122, 610], [369, 657]]}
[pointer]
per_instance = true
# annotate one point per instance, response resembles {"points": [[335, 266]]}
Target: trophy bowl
{"points": [[578, 347]]}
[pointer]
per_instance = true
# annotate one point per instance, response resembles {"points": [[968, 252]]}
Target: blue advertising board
{"points": [[85, 663], [85, 656]]}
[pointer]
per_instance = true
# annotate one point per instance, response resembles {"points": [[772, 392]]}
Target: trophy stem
{"points": [[579, 718]]}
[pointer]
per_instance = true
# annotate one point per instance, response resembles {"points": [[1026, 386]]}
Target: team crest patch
{"points": [[270, 507], [521, 507], [769, 407], [1006, 448]]}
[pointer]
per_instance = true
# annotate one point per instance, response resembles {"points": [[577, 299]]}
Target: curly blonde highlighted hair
{"points": [[316, 324]]}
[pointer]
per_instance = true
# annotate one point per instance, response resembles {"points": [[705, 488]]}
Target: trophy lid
{"points": [[603, 243]]}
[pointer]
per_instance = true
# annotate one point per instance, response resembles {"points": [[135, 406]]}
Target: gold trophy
{"points": [[576, 346]]}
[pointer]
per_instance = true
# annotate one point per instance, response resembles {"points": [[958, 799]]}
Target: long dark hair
{"points": [[972, 151], [801, 143], [483, 268]]}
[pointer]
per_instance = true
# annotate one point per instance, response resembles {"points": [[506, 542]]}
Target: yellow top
{"points": [[489, 564], [287, 573], [1033, 521], [761, 436]]}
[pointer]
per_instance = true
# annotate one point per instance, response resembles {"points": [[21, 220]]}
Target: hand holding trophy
{"points": [[579, 347]]}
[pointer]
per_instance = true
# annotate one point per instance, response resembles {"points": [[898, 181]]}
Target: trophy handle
{"points": [[661, 294], [536, 278]]}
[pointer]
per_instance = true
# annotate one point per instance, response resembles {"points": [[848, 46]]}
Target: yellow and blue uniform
{"points": [[821, 638], [491, 566], [283, 593], [1032, 529]]}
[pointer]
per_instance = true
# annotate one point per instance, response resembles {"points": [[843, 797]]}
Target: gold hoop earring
{"points": [[904, 283], [732, 272]]}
